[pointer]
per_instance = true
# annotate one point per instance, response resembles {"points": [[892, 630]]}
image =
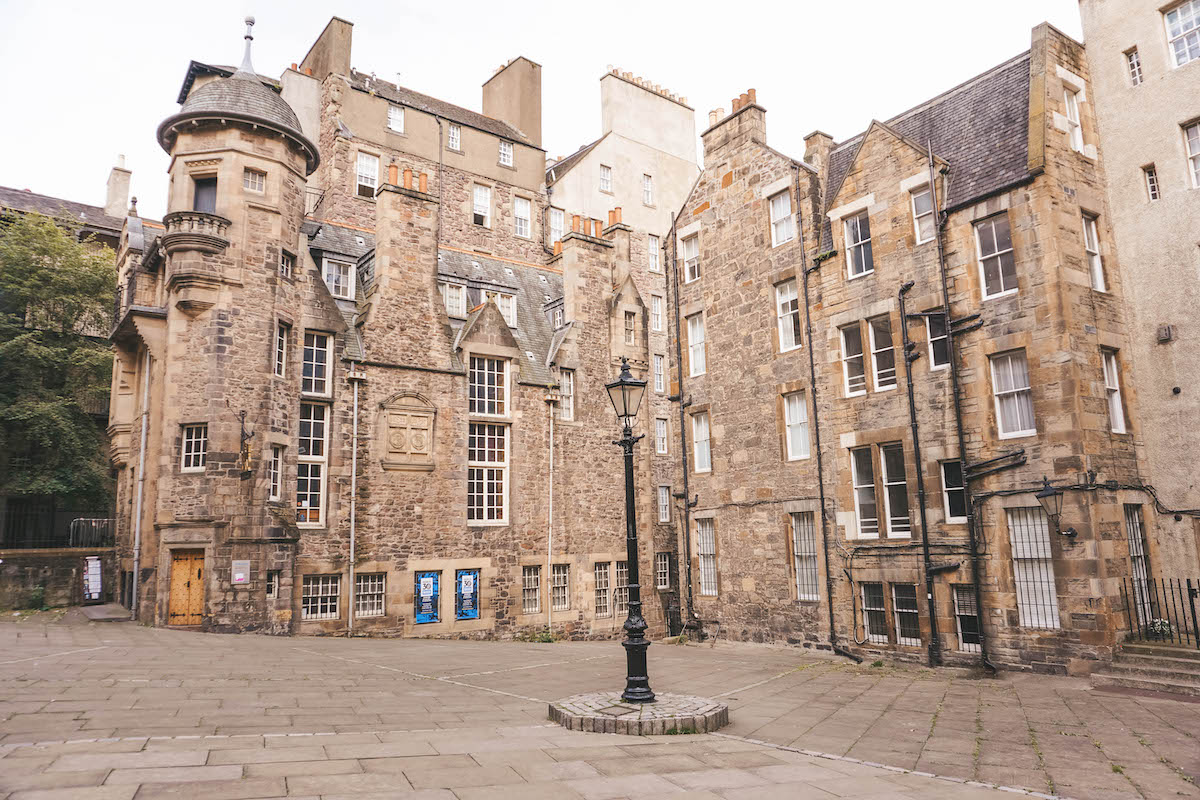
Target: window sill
{"points": [[192, 471], [923, 241], [850, 277], [358, 196], [698, 374], [702, 471], [313, 395], [781, 244], [938, 367], [1008, 293], [848, 395], [956, 521], [1018, 435], [792, 349], [885, 388], [310, 526], [792, 460], [478, 524], [606, 191], [502, 165]]}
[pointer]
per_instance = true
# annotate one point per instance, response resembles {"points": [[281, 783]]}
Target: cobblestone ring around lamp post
{"points": [[626, 395]]}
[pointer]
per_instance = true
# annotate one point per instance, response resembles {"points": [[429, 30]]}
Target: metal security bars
{"points": [[874, 613], [1033, 568], [1162, 610], [1138, 566], [804, 553]]}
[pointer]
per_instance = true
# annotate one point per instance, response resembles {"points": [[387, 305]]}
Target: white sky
{"points": [[83, 81]]}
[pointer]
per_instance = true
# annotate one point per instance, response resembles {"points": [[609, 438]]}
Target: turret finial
{"points": [[247, 67]]}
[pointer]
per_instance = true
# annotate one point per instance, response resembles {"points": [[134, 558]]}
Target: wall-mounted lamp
{"points": [[1051, 500]]}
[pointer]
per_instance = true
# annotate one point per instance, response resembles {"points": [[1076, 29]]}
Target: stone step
{"points": [[1152, 671], [1191, 688], [1174, 651], [1160, 661]]}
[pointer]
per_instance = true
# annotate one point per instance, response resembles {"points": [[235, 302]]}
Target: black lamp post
{"points": [[1051, 500], [626, 395]]}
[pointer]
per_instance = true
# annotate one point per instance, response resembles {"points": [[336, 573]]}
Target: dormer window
{"points": [[455, 297], [507, 305], [558, 318], [395, 119], [339, 277]]}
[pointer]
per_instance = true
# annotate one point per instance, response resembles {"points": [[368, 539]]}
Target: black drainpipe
{"points": [[669, 245], [972, 542], [935, 647], [812, 381]]}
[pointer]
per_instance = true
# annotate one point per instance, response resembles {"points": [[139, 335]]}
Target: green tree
{"points": [[55, 363]]}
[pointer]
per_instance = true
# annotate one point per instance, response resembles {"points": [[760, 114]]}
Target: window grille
{"points": [[923, 219], [1033, 568], [319, 597], [954, 494], [1152, 190], [276, 472], [521, 215], [660, 377], [696, 354], [787, 311], [796, 423], [939, 341], [506, 153], [1134, 62], [652, 247], [859, 259], [895, 491], [997, 264], [560, 579], [662, 570], [706, 545], [621, 591], [488, 386], [804, 554], [487, 469], [1014, 398], [966, 614], [315, 377], [1112, 387], [908, 622], [660, 436], [195, 448], [1074, 129], [863, 470], [367, 174], [883, 353], [253, 180], [664, 504], [854, 370], [605, 178], [701, 442], [691, 259], [603, 596], [368, 595], [1139, 565], [1091, 246], [531, 590], [1183, 32], [874, 613], [782, 228]]}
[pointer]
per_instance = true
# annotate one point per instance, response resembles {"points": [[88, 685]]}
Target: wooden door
{"points": [[187, 588]]}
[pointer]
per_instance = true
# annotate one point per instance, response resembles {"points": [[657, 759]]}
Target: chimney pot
{"points": [[557, 247], [712, 118], [575, 223], [407, 178], [392, 171], [597, 227], [308, 70], [611, 218], [753, 96], [293, 66], [617, 213], [424, 183]]}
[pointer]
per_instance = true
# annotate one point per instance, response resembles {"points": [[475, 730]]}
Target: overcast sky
{"points": [[84, 81]]}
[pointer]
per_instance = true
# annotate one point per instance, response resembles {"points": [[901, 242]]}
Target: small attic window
{"points": [[474, 265], [530, 354], [361, 241], [508, 271], [547, 300], [544, 279]]}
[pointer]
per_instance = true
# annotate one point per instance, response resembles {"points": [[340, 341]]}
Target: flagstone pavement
{"points": [[113, 711]]}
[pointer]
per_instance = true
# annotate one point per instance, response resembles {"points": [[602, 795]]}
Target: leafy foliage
{"points": [[54, 364]]}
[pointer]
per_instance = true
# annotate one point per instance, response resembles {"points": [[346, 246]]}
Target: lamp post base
{"points": [[608, 712], [637, 682]]}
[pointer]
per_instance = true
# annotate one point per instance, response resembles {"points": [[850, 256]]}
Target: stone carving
{"points": [[406, 429]]}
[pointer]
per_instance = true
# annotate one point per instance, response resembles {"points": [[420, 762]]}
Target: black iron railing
{"points": [[1162, 610]]}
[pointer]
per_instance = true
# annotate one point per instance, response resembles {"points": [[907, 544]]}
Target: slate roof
{"points": [[90, 217], [432, 105], [570, 162], [980, 127], [198, 68], [338, 240], [530, 285]]}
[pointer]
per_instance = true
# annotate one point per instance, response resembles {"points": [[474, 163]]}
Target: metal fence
{"points": [[35, 523], [1162, 610]]}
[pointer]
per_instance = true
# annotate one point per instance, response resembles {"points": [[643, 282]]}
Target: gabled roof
{"points": [[432, 105], [87, 216], [980, 127], [557, 171]]}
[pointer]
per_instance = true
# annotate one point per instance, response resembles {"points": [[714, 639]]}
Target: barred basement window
{"points": [[1033, 568], [966, 615], [366, 175], [487, 472], [315, 376], [874, 613], [895, 491], [276, 472], [652, 247], [664, 503], [319, 597], [195, 448], [368, 595], [863, 478], [281, 339], [662, 570], [272, 584], [488, 390], [804, 554], [506, 153], [859, 259], [994, 248], [883, 353], [787, 313], [560, 579], [253, 180], [706, 548], [603, 596], [1139, 567], [660, 436], [904, 606], [854, 368], [531, 590], [621, 590], [939, 341]]}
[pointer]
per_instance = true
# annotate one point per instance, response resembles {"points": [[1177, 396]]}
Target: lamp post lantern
{"points": [[1051, 501], [626, 395]]}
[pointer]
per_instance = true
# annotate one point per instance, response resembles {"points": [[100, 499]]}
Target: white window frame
{"points": [[1153, 191], [454, 137], [507, 304], [366, 174], [783, 230], [522, 222], [861, 488], [795, 421], [660, 373], [317, 343], [339, 277], [286, 262], [307, 462], [691, 258], [370, 594], [1033, 568], [706, 555], [879, 375], [1005, 360], [531, 589], [320, 597], [1191, 142], [630, 327], [848, 358], [897, 611], [787, 316], [647, 190], [852, 225], [1133, 62], [918, 216], [566, 394], [193, 450], [652, 253], [1091, 249], [952, 518], [702, 442], [804, 555], [606, 178], [481, 205], [275, 474], [455, 297], [601, 578], [488, 392], [505, 155], [998, 255], [395, 118], [873, 614], [558, 221], [282, 330], [897, 527], [254, 180], [1074, 127], [660, 435], [656, 312], [560, 587], [484, 473], [621, 588], [933, 339], [1188, 37], [1112, 390], [662, 571], [558, 318], [697, 362], [664, 503]]}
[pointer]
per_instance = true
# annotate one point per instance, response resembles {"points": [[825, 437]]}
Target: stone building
{"points": [[359, 377], [1145, 63], [963, 249]]}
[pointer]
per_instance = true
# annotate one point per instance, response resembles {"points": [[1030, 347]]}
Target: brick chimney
{"points": [[116, 200]]}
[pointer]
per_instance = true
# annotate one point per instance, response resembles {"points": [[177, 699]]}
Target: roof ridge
{"points": [[365, 76]]}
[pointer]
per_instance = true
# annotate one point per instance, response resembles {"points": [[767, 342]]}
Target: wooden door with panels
{"points": [[187, 588]]}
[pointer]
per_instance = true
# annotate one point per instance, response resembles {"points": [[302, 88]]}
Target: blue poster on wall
{"points": [[425, 597], [466, 600]]}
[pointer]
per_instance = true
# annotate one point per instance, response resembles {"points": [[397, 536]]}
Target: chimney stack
{"points": [[116, 200], [514, 95]]}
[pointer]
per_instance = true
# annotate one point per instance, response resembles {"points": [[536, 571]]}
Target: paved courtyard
{"points": [[117, 711]]}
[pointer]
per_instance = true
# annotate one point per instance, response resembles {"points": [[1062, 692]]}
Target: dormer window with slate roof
{"points": [[339, 277], [507, 305], [455, 297]]}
